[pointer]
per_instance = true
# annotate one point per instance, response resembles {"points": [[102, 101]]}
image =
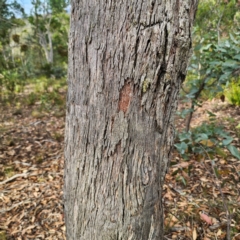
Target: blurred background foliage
{"points": [[33, 45]]}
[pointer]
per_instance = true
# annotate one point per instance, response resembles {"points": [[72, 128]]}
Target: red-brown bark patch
{"points": [[125, 97]]}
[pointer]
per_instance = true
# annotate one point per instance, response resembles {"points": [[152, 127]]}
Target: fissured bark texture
{"points": [[127, 61]]}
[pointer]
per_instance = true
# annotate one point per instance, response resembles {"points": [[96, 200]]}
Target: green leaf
{"points": [[230, 63], [215, 63], [216, 172], [227, 141], [185, 112], [207, 46], [220, 152], [192, 92], [211, 114], [201, 136], [184, 136], [181, 147], [222, 133], [198, 47], [183, 181], [233, 150], [237, 57], [233, 39], [227, 44], [225, 76], [221, 49]]}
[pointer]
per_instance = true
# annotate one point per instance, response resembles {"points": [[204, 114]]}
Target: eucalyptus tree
{"points": [[127, 61], [8, 21], [43, 19]]}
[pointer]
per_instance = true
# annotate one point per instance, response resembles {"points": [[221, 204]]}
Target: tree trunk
{"points": [[127, 61], [45, 40]]}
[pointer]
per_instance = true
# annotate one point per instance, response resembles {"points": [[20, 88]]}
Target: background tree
{"points": [[8, 21], [127, 62], [44, 20], [32, 46]]}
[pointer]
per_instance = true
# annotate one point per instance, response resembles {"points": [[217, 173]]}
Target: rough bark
{"points": [[127, 61]]}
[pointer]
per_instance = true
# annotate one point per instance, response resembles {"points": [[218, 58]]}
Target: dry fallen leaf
{"points": [[194, 234], [219, 232], [11, 152], [181, 165], [207, 142], [205, 218], [237, 237], [204, 179]]}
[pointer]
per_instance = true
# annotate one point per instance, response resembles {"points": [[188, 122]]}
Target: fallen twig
{"points": [[14, 177], [179, 229], [13, 206], [218, 225]]}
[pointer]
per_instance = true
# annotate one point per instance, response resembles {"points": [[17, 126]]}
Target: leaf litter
{"points": [[201, 195], [31, 183], [31, 176]]}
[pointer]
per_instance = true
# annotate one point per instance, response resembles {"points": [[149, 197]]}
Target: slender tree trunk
{"points": [[127, 61], [45, 40]]}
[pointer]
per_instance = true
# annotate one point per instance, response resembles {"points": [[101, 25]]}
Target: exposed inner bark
{"points": [[125, 97], [127, 61]]}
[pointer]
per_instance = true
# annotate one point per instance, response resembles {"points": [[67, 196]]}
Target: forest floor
{"points": [[199, 204]]}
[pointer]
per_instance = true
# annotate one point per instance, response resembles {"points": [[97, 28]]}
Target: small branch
{"points": [[13, 206], [3, 227], [218, 225], [179, 229], [14, 177], [196, 96]]}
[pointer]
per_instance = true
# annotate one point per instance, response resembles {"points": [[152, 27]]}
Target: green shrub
{"points": [[206, 139], [31, 99], [233, 93]]}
